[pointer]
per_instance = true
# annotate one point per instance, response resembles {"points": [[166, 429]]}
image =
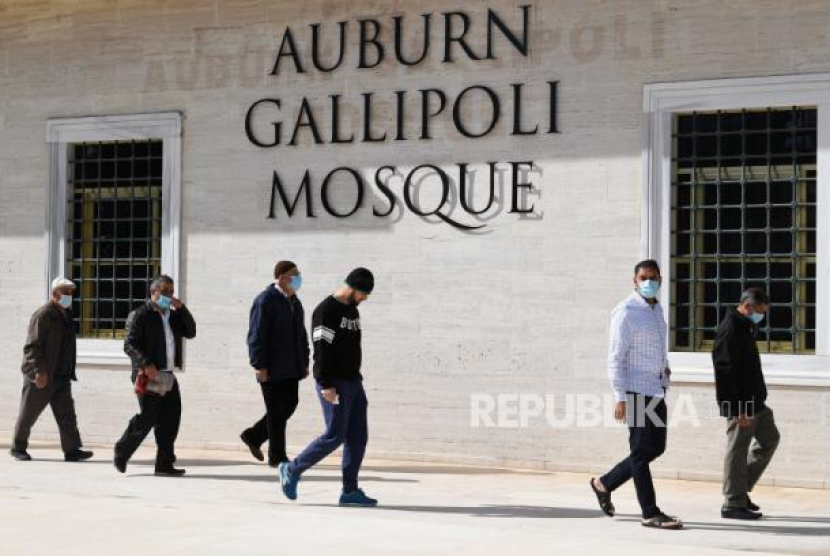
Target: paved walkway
{"points": [[229, 505]]}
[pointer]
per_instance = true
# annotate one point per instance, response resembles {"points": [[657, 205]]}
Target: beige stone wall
{"points": [[522, 308]]}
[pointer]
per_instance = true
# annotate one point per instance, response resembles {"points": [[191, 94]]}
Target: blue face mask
{"points": [[649, 288], [164, 303], [65, 301], [756, 318], [297, 282]]}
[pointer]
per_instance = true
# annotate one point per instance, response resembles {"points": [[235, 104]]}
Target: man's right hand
{"points": [[619, 412], [262, 375], [330, 394], [41, 380], [744, 421], [150, 371]]}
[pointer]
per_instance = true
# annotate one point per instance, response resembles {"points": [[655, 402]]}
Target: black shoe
{"points": [[276, 462], [120, 464], [751, 506], [20, 455], [169, 471], [662, 521], [740, 513], [256, 451], [604, 499], [77, 455]]}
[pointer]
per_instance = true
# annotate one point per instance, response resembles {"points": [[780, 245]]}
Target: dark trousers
{"points": [[57, 395], [161, 413], [647, 441], [346, 424], [744, 463], [281, 399]]}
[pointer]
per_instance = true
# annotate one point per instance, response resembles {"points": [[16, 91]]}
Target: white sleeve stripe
{"points": [[323, 333]]}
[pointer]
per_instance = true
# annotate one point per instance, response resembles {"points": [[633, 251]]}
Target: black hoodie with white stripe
{"points": [[336, 336]]}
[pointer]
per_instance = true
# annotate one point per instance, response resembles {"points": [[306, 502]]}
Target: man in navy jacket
{"points": [[279, 353]]}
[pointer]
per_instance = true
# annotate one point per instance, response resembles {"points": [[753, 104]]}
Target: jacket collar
{"points": [[747, 324], [272, 291], [53, 309]]}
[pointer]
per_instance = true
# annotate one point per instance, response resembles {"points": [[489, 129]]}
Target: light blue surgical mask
{"points": [[649, 288], [297, 282], [65, 301], [164, 303], [756, 318]]}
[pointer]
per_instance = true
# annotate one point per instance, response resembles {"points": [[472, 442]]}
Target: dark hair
{"points": [[756, 296], [362, 280], [647, 264], [282, 267], [158, 281]]}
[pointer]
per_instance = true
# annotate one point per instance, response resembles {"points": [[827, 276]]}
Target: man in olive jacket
{"points": [[742, 396], [48, 368], [154, 344]]}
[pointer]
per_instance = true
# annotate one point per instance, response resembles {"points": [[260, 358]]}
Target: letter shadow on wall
{"points": [[467, 197]]}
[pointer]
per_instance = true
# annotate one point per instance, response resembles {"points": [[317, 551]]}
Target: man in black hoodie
{"points": [[742, 394], [279, 354]]}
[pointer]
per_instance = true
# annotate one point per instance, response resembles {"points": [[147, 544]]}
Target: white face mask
{"points": [[65, 301]]}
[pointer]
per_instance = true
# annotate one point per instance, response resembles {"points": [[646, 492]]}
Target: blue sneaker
{"points": [[357, 498], [288, 481]]}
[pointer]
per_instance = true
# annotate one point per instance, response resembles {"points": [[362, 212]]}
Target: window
{"points": [[113, 219], [735, 175], [744, 214], [114, 230]]}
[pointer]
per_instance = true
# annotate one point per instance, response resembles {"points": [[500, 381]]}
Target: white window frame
{"points": [[61, 132], [661, 102]]}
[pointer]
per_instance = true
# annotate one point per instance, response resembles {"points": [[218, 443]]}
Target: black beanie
{"points": [[362, 280]]}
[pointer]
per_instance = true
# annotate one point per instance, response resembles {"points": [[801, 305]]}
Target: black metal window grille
{"points": [[744, 214], [114, 198]]}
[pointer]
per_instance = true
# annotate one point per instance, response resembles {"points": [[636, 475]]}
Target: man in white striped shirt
{"points": [[639, 373]]}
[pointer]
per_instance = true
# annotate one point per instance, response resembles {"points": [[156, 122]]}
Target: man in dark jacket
{"points": [[48, 368], [742, 395], [279, 354], [154, 344]]}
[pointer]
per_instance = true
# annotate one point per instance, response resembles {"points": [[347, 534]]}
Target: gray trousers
{"points": [[744, 465], [58, 395]]}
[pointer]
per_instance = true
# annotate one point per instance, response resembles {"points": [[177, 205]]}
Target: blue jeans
{"points": [[347, 425], [647, 440]]}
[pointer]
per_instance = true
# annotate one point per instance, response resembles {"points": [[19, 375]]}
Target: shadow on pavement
{"points": [[272, 478], [805, 519], [759, 527], [107, 459], [493, 510], [429, 469]]}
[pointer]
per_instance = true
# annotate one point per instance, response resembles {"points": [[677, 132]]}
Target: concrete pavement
{"points": [[230, 504]]}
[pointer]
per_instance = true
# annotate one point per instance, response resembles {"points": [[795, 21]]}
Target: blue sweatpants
{"points": [[346, 424]]}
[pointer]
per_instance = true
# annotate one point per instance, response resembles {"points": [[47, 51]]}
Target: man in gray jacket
{"points": [[49, 368]]}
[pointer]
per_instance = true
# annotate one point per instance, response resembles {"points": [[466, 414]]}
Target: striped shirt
{"points": [[637, 355]]}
